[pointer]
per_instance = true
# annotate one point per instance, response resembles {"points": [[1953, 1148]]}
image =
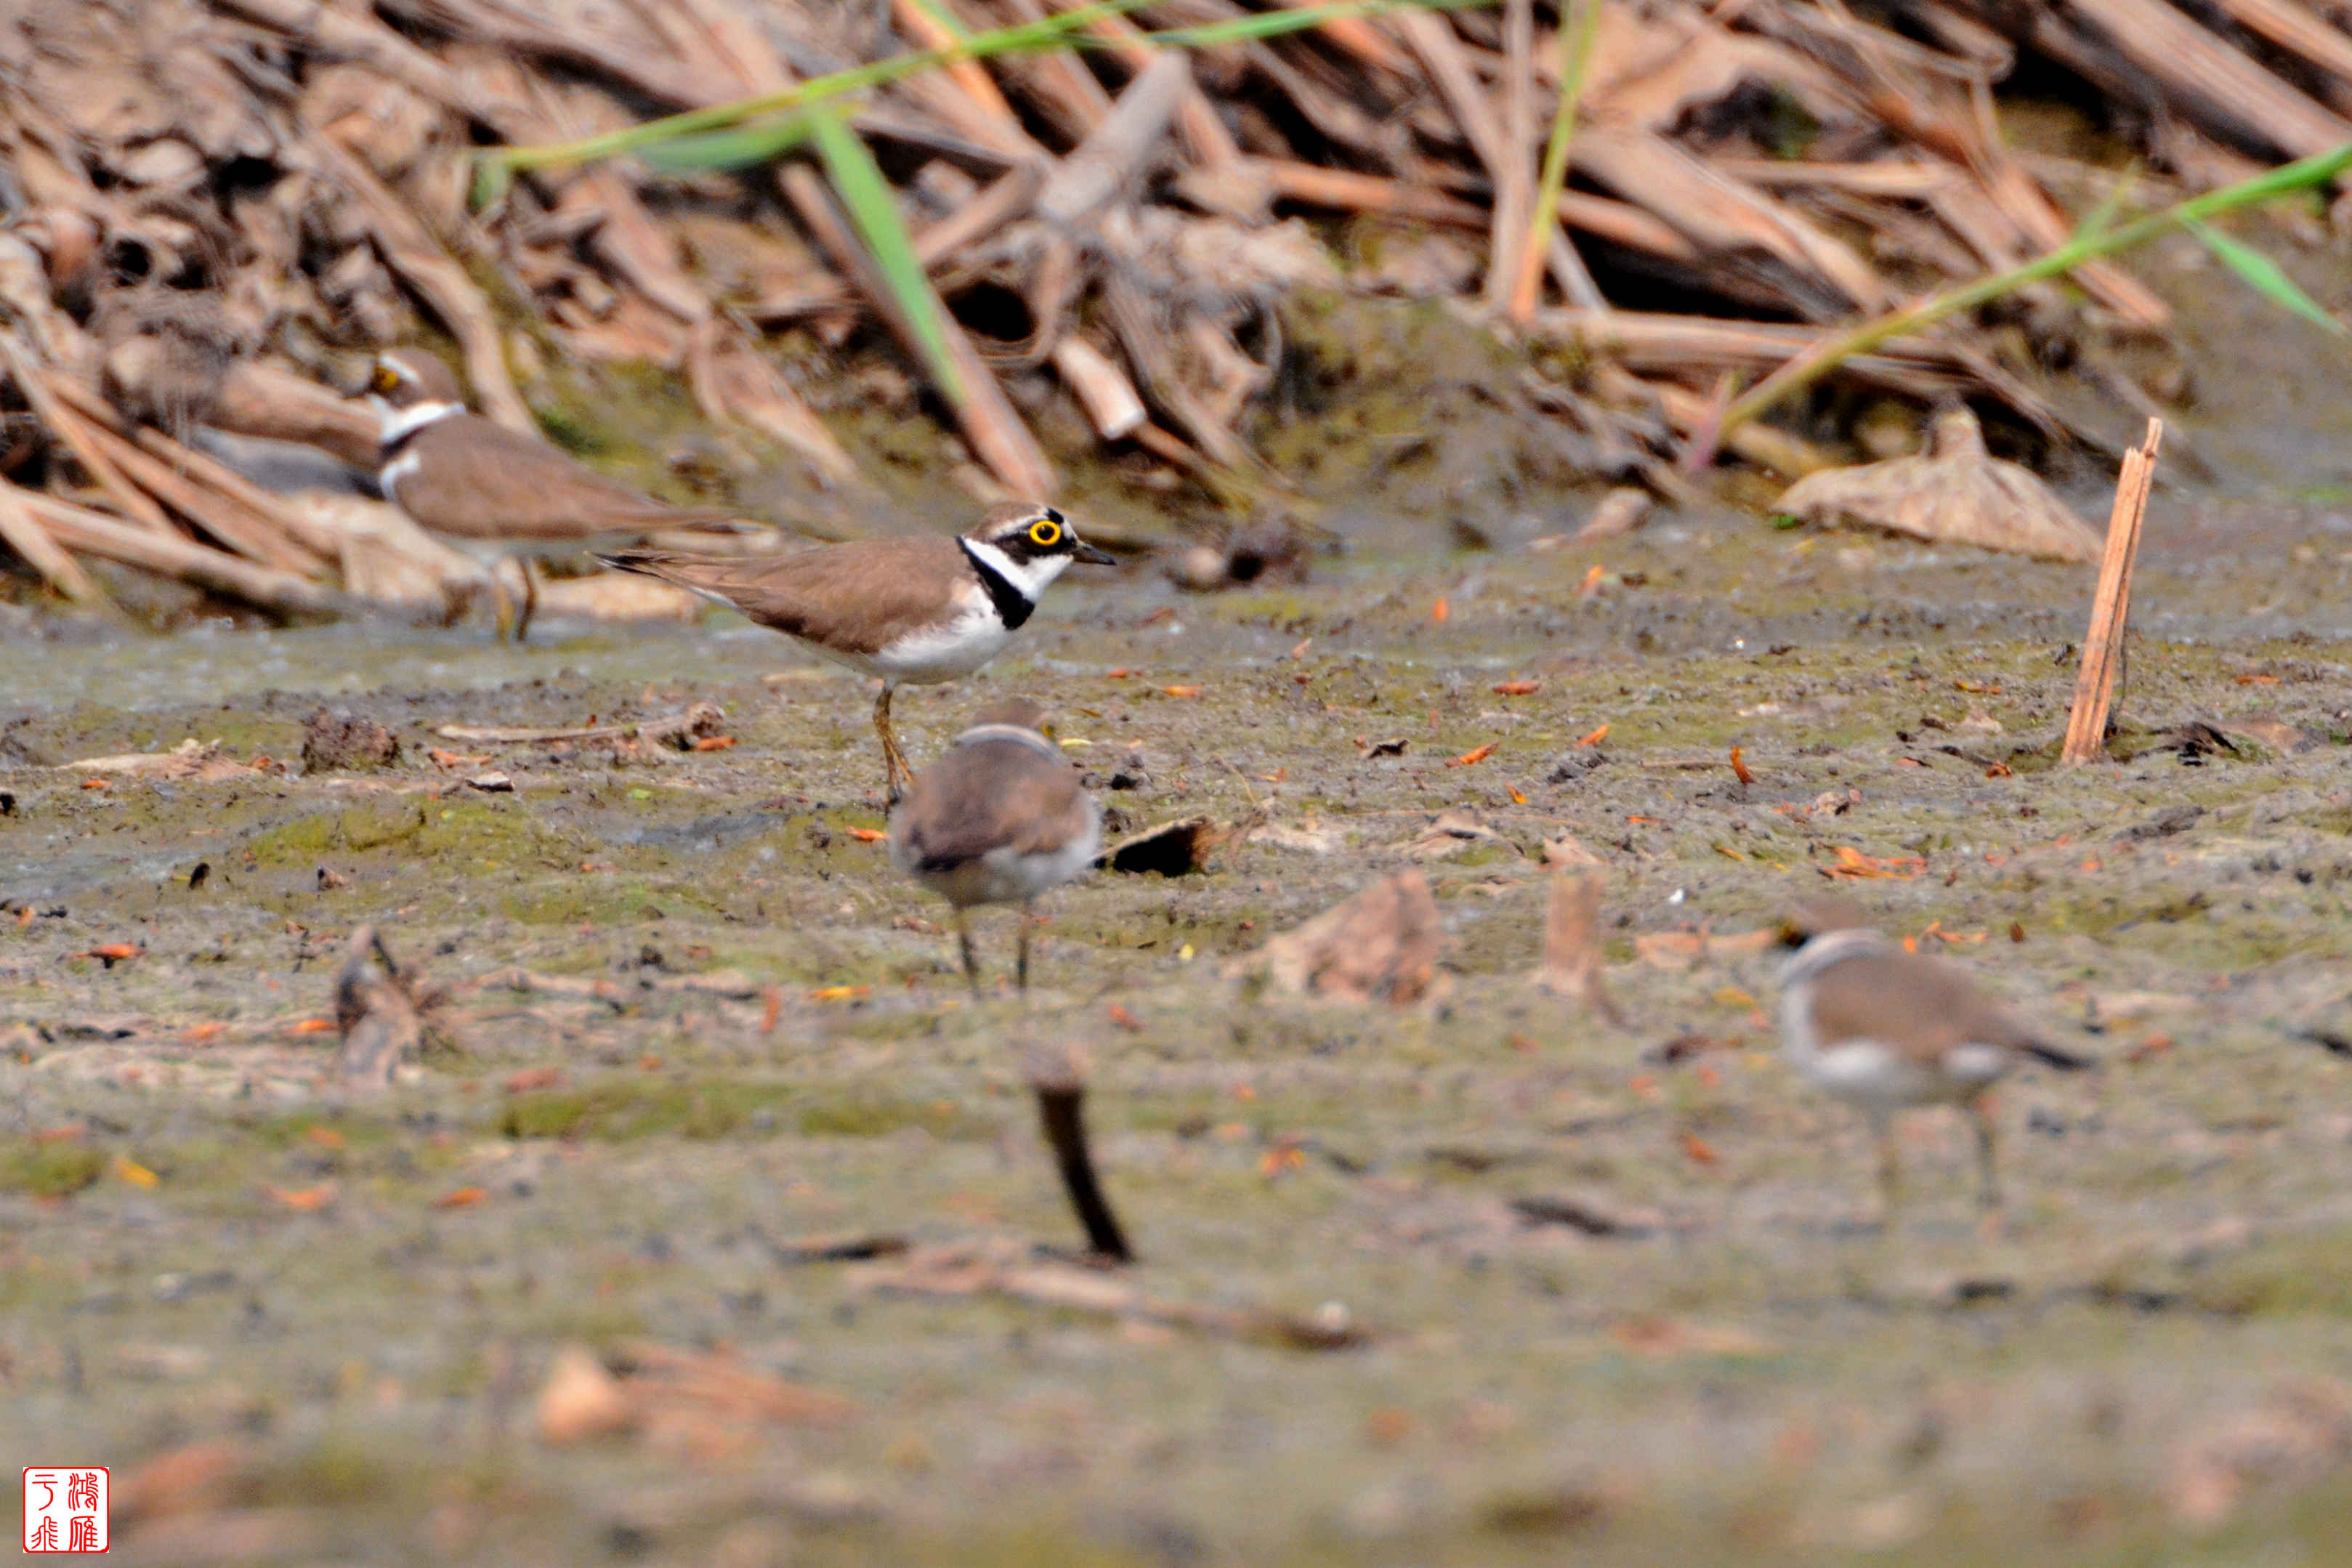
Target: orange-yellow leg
{"points": [[897, 772], [529, 605]]}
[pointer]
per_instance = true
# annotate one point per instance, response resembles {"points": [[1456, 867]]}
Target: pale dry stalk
{"points": [[2094, 686]]}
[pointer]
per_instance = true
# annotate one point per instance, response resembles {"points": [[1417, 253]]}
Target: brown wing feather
{"points": [[1921, 1006], [480, 481], [856, 597], [990, 794]]}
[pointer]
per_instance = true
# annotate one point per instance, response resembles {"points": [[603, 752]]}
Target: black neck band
{"points": [[1013, 605]]}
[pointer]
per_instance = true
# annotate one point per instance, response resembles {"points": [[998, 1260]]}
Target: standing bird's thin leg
{"points": [[963, 939], [895, 765], [502, 606], [1987, 1179], [1890, 1171], [529, 600], [1023, 972]]}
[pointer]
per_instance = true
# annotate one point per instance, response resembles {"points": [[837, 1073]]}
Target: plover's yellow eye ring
{"points": [[384, 379], [1045, 534]]}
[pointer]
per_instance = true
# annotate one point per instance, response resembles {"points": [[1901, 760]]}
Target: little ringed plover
{"points": [[496, 493], [1883, 1029], [913, 612], [999, 819]]}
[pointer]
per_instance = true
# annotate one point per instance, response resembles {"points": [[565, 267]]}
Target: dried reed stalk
{"points": [[2103, 644], [169, 554], [998, 435], [23, 532], [311, 547], [1514, 188], [1205, 135], [248, 535], [916, 20], [1113, 406], [35, 382]]}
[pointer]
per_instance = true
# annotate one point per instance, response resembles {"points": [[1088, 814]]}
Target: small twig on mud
{"points": [[684, 726], [1239, 777], [1572, 951], [2094, 687], [976, 1272]]}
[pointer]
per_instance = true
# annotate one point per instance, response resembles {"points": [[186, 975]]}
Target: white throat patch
{"points": [[1031, 579]]}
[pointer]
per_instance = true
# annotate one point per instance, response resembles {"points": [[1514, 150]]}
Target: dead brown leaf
{"points": [[1955, 493], [1381, 945], [1852, 864]]}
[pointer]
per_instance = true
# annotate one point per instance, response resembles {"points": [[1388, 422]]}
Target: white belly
{"points": [[1867, 1073], [1005, 877], [948, 653]]}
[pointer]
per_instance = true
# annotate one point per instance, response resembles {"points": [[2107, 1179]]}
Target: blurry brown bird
{"points": [[1883, 1028], [999, 819], [496, 493]]}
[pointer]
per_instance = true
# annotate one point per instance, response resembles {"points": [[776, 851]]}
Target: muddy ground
{"points": [[303, 1328]]}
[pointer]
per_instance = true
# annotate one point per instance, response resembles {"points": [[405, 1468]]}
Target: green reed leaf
{"points": [[2263, 275], [874, 208]]}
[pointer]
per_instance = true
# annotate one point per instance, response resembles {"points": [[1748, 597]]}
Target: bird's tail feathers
{"points": [[2064, 1061]]}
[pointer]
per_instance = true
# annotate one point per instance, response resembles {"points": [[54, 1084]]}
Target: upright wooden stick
{"points": [[2103, 644]]}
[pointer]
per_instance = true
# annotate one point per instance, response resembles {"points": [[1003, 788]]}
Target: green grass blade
{"points": [[1576, 38], [492, 178], [2263, 275], [2101, 218], [1827, 353], [946, 18], [1026, 38], [755, 142], [1273, 24], [1061, 31], [874, 208]]}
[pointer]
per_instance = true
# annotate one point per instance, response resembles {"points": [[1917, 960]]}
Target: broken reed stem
{"points": [[931, 27], [2103, 644], [1061, 1108], [1572, 956], [1576, 37]]}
